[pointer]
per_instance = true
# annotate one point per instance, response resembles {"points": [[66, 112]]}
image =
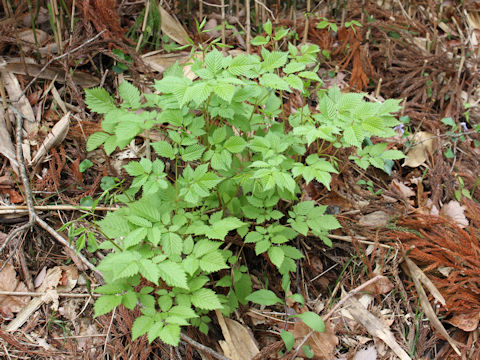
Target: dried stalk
{"points": [[247, 25], [32, 215]]}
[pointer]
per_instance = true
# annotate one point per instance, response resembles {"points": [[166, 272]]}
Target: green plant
{"points": [[272, 36], [150, 30], [352, 24], [370, 186], [120, 67], [324, 23], [84, 165], [462, 191], [227, 171]]}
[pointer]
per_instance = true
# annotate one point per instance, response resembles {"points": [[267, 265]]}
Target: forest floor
{"points": [[418, 227]]}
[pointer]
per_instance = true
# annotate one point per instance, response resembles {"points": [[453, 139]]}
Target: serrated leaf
{"points": [[127, 271], [274, 81], [129, 94], [177, 320], [240, 65], [304, 207], [149, 270], [151, 186], [393, 155], [253, 237], [135, 237], [170, 334], [96, 139], [173, 274], [259, 40], [377, 162], [292, 252], [348, 102], [213, 261], [224, 91], [214, 61], [323, 223], [225, 281], [293, 66], [140, 221], [146, 209], [129, 299], [198, 92], [111, 288], [219, 135], [192, 152], [276, 215], [292, 49], [276, 255], [154, 331], [267, 27], [264, 297], [165, 302], [280, 33], [374, 125], [353, 136], [235, 144], [206, 299], [110, 145], [106, 303], [190, 264], [294, 82], [273, 60], [389, 106], [279, 239], [134, 168], [163, 148], [127, 130], [183, 311], [140, 326], [114, 226], [221, 228], [301, 227], [262, 246], [98, 100], [172, 243], [309, 75]]}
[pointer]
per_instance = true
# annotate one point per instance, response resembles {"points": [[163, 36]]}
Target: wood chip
{"points": [[375, 327], [56, 136], [239, 343]]}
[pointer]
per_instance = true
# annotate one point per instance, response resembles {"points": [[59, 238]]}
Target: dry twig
{"points": [[203, 348], [32, 215], [58, 58]]}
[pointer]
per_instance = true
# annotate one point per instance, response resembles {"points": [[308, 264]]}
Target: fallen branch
{"points": [[33, 218], [58, 58], [22, 208], [31, 293], [203, 348]]}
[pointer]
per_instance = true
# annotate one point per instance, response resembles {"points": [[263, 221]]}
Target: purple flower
{"points": [[400, 129], [463, 124]]}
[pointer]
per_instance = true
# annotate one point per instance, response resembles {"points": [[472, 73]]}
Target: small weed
{"points": [[370, 186]]}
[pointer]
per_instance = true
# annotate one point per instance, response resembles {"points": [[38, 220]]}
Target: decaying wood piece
{"points": [[375, 327]]}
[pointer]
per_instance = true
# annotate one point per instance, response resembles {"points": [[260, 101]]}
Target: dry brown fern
{"points": [[434, 242]]}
